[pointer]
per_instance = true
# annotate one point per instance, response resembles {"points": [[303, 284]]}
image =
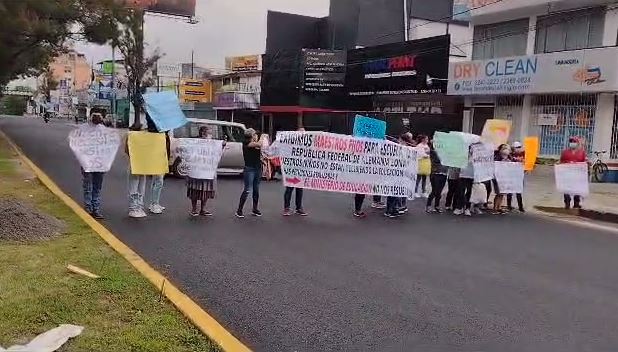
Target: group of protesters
{"points": [[464, 196]]}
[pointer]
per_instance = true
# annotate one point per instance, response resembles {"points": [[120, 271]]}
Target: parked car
{"points": [[232, 162]]}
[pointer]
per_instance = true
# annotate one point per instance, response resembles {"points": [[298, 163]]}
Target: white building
{"points": [[549, 66]]}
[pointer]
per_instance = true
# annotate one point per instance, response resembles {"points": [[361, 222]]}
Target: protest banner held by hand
{"points": [[95, 147]]}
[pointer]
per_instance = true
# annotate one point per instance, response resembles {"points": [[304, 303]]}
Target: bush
{"points": [[13, 105]]}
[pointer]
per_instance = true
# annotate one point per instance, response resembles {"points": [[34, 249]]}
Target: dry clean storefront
{"points": [[553, 96]]}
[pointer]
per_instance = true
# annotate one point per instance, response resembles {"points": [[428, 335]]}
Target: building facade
{"points": [[548, 66]]}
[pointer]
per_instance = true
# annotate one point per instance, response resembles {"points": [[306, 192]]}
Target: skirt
{"points": [[200, 189]]}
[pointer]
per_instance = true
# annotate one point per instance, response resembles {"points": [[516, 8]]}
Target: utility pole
{"points": [[192, 65], [113, 102]]}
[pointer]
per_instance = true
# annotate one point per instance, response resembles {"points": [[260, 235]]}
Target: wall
{"points": [[461, 35]]}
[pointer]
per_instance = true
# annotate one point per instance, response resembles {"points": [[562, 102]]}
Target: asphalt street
{"points": [[330, 282]]}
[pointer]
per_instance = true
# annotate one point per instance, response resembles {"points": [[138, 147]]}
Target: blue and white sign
{"points": [[368, 127], [591, 70], [164, 110]]}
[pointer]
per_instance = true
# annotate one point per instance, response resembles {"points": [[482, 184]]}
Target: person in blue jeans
{"points": [[252, 172], [92, 182]]}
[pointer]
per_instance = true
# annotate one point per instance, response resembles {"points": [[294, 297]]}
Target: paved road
{"points": [[330, 282]]}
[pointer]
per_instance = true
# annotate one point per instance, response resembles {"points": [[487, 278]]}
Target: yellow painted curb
{"points": [[206, 323]]}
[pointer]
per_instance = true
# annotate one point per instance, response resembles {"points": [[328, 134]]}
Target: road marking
{"points": [[575, 221], [204, 321]]}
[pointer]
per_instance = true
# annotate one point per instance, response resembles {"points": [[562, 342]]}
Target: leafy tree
{"points": [[14, 105], [139, 67], [33, 32]]}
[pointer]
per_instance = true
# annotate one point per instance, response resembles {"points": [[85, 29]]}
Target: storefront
{"points": [[553, 96]]}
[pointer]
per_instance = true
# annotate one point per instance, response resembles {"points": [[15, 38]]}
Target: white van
{"points": [[232, 161]]}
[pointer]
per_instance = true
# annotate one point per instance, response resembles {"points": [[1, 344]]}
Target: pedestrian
{"points": [[466, 180], [252, 172], [377, 203], [156, 181], [453, 187], [92, 182], [424, 166], [201, 190], [358, 206], [287, 197], [573, 154], [437, 180], [503, 153], [518, 155]]}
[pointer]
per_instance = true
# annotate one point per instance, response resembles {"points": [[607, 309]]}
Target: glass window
{"points": [[572, 30], [500, 40], [229, 133]]}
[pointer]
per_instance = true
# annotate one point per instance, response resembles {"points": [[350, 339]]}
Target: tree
{"points": [[14, 105], [139, 67], [48, 84], [33, 32]]}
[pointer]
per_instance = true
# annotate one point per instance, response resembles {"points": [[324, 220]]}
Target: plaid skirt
{"points": [[198, 189]]}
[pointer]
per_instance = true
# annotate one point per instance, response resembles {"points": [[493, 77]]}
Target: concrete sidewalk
{"points": [[540, 190]]}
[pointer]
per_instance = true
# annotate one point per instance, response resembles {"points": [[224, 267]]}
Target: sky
{"points": [[225, 28]]}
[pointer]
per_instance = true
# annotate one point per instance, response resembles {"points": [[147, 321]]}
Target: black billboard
{"points": [[397, 69], [323, 71]]}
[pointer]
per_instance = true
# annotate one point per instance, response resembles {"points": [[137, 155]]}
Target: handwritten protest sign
{"points": [[339, 163], [572, 178], [164, 110], [496, 131], [368, 127], [452, 149], [483, 161], [94, 147], [510, 177], [531, 147], [201, 155], [148, 153]]}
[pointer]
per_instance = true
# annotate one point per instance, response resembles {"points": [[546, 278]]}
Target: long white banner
{"points": [[95, 147], [201, 155], [340, 163], [572, 178]]}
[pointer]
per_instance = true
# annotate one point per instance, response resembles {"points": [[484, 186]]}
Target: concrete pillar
{"points": [[466, 125], [531, 36], [603, 121], [610, 29]]}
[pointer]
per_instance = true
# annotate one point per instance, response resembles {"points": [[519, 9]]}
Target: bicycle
{"points": [[599, 168]]}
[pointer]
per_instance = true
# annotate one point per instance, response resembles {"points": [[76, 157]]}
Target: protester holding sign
{"points": [[519, 156], [424, 166], [252, 172], [573, 154], [203, 158], [95, 147], [437, 180], [452, 177], [287, 197], [466, 180], [503, 154]]}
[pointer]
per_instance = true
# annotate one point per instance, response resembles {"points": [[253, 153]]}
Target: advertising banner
{"points": [[195, 91], [572, 179], [201, 155], [147, 153], [339, 163], [591, 70], [164, 110], [496, 131], [369, 127], [242, 63], [185, 8], [483, 161], [95, 147], [510, 177], [168, 70], [452, 149]]}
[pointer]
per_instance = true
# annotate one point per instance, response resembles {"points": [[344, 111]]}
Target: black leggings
{"points": [[358, 202], [520, 201], [453, 186], [421, 179], [437, 186], [465, 192]]}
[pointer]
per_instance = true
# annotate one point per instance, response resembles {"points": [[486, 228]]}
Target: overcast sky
{"points": [[225, 28]]}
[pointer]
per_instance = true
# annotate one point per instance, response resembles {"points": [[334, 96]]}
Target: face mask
{"points": [[572, 145], [504, 154]]}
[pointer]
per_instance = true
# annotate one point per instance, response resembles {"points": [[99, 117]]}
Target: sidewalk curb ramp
{"points": [[583, 213]]}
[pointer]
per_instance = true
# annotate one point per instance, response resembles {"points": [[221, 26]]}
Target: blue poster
{"points": [[368, 127], [164, 110]]}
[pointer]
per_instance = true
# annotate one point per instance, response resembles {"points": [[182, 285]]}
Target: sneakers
{"points": [[430, 210], [97, 215], [467, 212], [256, 213], [438, 210], [156, 209], [402, 211], [478, 211], [425, 195], [391, 216], [205, 213], [417, 195], [137, 214], [448, 208], [287, 212], [301, 212], [359, 214], [239, 214], [378, 205], [457, 212]]}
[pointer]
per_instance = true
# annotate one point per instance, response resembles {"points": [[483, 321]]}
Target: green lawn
{"points": [[121, 311]]}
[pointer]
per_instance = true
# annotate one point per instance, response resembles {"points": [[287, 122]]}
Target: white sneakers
{"points": [[467, 212], [156, 209], [136, 214], [457, 212]]}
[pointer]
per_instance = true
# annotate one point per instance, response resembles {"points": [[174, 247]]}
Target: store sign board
{"points": [[195, 91], [168, 70], [243, 63], [547, 120], [592, 70], [323, 70]]}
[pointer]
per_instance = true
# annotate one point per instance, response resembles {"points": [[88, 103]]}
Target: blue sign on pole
{"points": [[368, 127], [164, 110]]}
